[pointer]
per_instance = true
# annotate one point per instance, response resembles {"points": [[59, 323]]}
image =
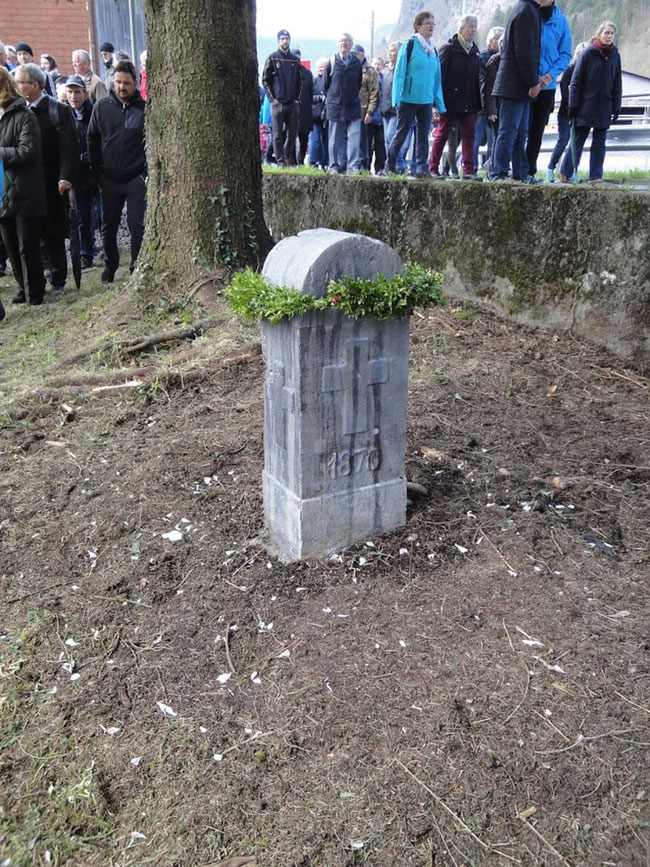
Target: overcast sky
{"points": [[317, 18]]}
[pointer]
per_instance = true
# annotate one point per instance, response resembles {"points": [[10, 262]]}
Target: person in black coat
{"points": [[282, 81], [85, 189], [22, 206], [484, 132], [305, 121], [60, 162], [318, 150], [563, 132], [459, 67], [517, 83], [595, 95], [490, 101]]}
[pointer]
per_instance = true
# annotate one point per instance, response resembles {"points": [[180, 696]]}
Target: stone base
{"points": [[305, 528]]}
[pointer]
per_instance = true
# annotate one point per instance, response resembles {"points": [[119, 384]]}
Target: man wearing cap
{"points": [[25, 55], [369, 98], [85, 190], [282, 80], [94, 85], [342, 84], [60, 162], [118, 161], [106, 50]]}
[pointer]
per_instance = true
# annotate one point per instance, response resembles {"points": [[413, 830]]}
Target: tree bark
{"points": [[205, 177]]}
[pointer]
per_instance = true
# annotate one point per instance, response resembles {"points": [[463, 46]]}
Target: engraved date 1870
{"points": [[350, 461]]}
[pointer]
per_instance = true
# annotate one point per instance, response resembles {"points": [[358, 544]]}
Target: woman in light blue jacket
{"points": [[416, 89]]}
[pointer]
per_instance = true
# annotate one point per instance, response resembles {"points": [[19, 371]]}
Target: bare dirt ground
{"points": [[472, 689]]}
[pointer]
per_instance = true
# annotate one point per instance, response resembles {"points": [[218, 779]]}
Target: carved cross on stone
{"points": [[282, 399], [354, 376]]}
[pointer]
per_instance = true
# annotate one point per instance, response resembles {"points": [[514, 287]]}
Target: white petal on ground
{"points": [[166, 710], [224, 678], [75, 676], [135, 761], [460, 548], [172, 536]]}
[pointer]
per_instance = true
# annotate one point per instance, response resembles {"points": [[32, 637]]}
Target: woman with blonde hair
{"points": [[22, 206], [595, 95]]}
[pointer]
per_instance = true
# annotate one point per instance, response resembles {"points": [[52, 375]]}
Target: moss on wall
{"points": [[547, 255]]}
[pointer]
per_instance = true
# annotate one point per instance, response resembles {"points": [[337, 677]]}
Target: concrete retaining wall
{"points": [[561, 257]]}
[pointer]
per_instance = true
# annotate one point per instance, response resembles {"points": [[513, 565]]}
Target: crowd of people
{"points": [[69, 145], [360, 116]]}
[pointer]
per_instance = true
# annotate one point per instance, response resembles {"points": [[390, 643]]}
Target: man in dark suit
{"points": [[60, 162]]}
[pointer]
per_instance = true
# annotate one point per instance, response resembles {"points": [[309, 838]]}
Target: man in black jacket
{"points": [[60, 162], [85, 190], [118, 161], [282, 80], [305, 120], [517, 83]]}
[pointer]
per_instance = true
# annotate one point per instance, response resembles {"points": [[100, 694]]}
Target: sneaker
{"points": [[562, 178], [107, 276], [531, 179], [422, 174], [58, 290], [550, 176], [19, 298], [436, 176]]}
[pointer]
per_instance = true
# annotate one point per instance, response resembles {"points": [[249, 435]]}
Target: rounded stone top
{"points": [[309, 260]]}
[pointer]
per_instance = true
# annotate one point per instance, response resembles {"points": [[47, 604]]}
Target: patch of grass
{"points": [[53, 810]]}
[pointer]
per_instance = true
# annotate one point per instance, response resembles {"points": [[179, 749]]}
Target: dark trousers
{"points": [[596, 153], [3, 255], [21, 237], [376, 146], [285, 131], [114, 195], [303, 141], [84, 203], [540, 111], [53, 252], [406, 113]]}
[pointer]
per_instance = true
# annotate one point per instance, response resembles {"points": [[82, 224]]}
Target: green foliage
{"points": [[252, 297]]}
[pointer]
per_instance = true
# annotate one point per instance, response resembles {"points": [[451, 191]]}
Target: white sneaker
{"points": [[550, 176]]}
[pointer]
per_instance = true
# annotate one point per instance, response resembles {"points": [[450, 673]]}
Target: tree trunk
{"points": [[205, 175]]}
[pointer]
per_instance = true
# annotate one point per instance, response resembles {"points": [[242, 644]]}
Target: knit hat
{"points": [[76, 81], [23, 46], [106, 46], [282, 33]]}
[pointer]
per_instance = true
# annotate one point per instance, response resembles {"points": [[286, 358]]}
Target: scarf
{"points": [[467, 46], [605, 49], [426, 45]]}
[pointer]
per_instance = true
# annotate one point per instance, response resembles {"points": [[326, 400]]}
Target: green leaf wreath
{"points": [[252, 297]]}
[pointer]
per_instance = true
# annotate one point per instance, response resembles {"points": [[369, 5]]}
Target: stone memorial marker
{"points": [[334, 404]]}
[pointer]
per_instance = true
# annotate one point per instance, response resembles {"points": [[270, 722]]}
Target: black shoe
{"points": [[2, 312], [86, 263], [107, 276], [131, 266], [19, 298], [3, 270], [35, 302], [471, 178], [58, 290]]}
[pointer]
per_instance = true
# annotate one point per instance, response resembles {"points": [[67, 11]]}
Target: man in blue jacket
{"points": [[517, 83], [555, 56], [282, 81], [342, 83]]}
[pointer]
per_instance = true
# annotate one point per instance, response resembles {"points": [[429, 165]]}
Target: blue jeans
{"points": [[483, 129], [318, 146], [390, 126], [596, 153], [510, 144], [562, 140], [344, 141]]}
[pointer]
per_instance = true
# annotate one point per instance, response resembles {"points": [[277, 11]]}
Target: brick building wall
{"points": [[48, 27]]}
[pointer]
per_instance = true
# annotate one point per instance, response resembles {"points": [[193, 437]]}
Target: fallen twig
{"points": [[547, 843], [442, 804], [187, 333], [226, 641]]}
